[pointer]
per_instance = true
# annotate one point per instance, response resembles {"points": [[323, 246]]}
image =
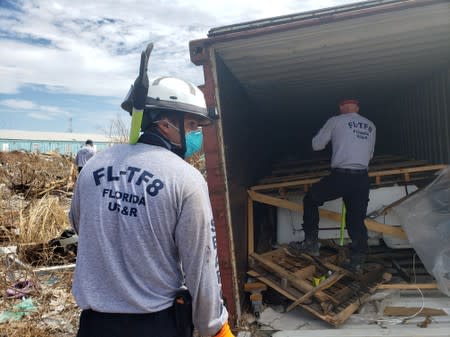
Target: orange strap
{"points": [[225, 331]]}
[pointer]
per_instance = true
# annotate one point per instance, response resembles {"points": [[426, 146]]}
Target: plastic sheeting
{"points": [[425, 217]]}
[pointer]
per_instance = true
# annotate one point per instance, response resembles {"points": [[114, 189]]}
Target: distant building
{"points": [[45, 142]]}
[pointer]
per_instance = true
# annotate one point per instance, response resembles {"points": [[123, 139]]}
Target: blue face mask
{"points": [[194, 140]]}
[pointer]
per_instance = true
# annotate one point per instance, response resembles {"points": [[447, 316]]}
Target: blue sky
{"points": [[66, 65]]}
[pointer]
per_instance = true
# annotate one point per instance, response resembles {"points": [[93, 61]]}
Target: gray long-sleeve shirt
{"points": [[353, 140], [83, 155], [144, 219]]}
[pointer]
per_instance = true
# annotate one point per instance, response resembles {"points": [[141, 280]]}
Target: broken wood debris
{"points": [[34, 174], [333, 300]]}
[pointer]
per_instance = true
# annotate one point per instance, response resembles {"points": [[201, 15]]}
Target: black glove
{"points": [[141, 84]]}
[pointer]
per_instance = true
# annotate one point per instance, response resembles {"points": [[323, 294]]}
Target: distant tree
{"points": [[117, 130]]}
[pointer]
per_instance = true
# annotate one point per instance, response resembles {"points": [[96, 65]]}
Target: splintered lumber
{"points": [[305, 272], [343, 293], [371, 225], [272, 284], [323, 285], [410, 311], [296, 282]]}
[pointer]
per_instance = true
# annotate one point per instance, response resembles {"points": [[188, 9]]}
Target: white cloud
{"points": [[93, 47], [42, 112], [17, 104], [40, 116]]}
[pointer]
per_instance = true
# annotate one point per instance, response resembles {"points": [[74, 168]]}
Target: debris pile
{"points": [[34, 175], [320, 285], [37, 250]]}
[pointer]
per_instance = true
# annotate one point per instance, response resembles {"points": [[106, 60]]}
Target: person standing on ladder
{"points": [[353, 142]]}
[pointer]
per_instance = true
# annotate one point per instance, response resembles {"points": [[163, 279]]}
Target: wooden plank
{"points": [[410, 311], [300, 169], [296, 282], [305, 172], [276, 186], [271, 284], [305, 272], [371, 225], [274, 201], [379, 159], [250, 227], [302, 182], [322, 286], [408, 286], [293, 177], [403, 171]]}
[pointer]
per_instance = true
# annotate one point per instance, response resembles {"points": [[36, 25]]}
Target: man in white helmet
{"points": [[146, 228]]}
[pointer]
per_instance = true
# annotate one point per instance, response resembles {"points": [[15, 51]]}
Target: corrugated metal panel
{"points": [[370, 56], [285, 19], [420, 120]]}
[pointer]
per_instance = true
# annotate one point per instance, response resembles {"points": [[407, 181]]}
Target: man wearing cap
{"points": [[353, 142], [84, 154]]}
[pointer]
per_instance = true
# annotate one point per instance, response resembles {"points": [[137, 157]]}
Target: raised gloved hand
{"points": [[141, 84], [225, 331]]}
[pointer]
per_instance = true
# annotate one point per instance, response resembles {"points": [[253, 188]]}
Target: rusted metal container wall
{"points": [[243, 158], [417, 122]]}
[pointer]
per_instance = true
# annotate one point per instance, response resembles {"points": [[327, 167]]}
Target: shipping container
{"points": [[271, 84]]}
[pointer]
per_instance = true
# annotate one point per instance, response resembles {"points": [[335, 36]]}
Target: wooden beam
{"points": [[296, 282], [274, 201], [371, 225], [250, 227], [407, 170], [271, 284], [294, 183], [377, 174], [305, 272], [323, 285], [408, 286]]}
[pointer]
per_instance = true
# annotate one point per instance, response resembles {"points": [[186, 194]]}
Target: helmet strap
{"points": [[182, 135]]}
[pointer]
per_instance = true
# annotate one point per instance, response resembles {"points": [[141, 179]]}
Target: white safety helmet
{"points": [[170, 93]]}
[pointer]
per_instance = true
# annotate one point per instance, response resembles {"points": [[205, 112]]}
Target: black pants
{"points": [[353, 187], [98, 324]]}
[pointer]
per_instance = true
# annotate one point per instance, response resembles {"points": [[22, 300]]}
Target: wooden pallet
{"points": [[334, 299], [403, 175]]}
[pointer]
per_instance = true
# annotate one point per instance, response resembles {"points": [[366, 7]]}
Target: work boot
{"points": [[356, 263], [310, 247]]}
